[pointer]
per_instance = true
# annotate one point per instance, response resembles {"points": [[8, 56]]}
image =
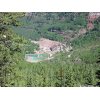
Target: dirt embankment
{"points": [[71, 35], [91, 18]]}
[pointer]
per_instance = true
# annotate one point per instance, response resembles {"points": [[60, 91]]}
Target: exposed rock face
{"points": [[51, 47], [90, 26], [91, 18], [82, 31], [28, 14]]}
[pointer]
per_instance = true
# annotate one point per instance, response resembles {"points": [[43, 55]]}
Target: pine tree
{"points": [[8, 45]]}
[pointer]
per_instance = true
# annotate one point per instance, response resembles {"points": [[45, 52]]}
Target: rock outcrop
{"points": [[91, 18]]}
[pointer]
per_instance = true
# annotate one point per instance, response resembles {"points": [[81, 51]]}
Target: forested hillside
{"points": [[78, 67], [54, 26], [10, 45]]}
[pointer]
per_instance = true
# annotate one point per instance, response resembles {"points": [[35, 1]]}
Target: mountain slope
{"points": [[79, 67]]}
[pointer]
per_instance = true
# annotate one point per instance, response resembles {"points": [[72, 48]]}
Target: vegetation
{"points": [[82, 68], [50, 25], [9, 46]]}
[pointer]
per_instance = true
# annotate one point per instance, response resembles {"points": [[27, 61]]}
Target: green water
{"points": [[40, 56], [37, 57]]}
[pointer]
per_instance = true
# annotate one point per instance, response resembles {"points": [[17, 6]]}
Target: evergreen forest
{"points": [[81, 69]]}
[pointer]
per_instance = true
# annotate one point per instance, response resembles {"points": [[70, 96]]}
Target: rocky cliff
{"points": [[91, 18]]}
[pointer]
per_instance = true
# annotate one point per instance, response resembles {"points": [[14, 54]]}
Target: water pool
{"points": [[36, 57]]}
